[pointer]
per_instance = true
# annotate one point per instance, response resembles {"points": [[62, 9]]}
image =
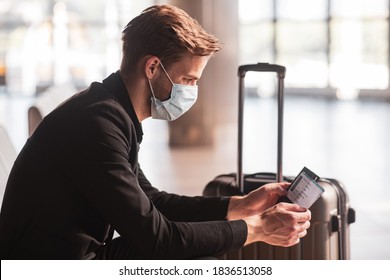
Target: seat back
{"points": [[7, 157], [46, 102], [34, 118]]}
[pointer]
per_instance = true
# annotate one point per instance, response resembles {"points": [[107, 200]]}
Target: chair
{"points": [[7, 157], [46, 102]]}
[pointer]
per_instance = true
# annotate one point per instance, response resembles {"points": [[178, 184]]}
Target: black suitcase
{"points": [[328, 235]]}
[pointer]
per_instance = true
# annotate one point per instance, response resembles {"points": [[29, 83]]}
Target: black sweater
{"points": [[77, 179]]}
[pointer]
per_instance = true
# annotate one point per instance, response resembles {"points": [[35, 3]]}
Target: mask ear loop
{"points": [[151, 89], [166, 73]]}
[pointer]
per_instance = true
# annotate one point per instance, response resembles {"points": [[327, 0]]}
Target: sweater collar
{"points": [[117, 87]]}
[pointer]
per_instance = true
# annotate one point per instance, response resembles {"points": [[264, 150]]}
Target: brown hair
{"points": [[166, 32]]}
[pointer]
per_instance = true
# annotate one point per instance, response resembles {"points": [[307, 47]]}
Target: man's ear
{"points": [[151, 65]]}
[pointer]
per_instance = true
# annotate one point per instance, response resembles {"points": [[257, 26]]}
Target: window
{"points": [[45, 42], [325, 44], [359, 44]]}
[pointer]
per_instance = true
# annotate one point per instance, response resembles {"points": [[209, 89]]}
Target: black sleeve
{"points": [[184, 208], [104, 149]]}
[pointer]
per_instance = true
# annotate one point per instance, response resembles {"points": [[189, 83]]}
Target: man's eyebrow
{"points": [[192, 77]]}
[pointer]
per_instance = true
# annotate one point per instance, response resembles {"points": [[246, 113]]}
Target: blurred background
{"points": [[337, 110]]}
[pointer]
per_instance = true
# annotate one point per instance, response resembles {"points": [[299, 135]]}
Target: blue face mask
{"points": [[181, 100]]}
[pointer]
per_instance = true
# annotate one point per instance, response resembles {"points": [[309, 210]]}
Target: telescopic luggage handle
{"points": [[262, 67], [281, 73]]}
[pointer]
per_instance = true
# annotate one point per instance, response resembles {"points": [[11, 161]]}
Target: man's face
{"points": [[186, 71]]}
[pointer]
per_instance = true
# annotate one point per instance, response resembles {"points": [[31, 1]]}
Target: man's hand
{"points": [[256, 201], [281, 225]]}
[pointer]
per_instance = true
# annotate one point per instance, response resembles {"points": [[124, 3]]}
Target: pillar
{"points": [[217, 100]]}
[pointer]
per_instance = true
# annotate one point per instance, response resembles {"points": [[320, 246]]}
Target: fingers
{"points": [[302, 222], [285, 224], [277, 188], [293, 238], [303, 232], [292, 207], [284, 185], [305, 225], [303, 214], [301, 227], [299, 213], [262, 198]]}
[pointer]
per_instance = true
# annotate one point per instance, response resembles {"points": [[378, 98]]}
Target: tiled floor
{"points": [[347, 140]]}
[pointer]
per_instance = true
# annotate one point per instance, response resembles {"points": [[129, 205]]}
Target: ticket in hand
{"points": [[305, 190]]}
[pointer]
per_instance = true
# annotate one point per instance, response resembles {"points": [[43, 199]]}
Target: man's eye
{"points": [[190, 81]]}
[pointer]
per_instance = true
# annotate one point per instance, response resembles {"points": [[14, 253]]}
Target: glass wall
{"points": [[46, 42], [338, 45], [325, 44]]}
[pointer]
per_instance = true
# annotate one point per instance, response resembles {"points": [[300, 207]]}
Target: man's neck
{"points": [[136, 87]]}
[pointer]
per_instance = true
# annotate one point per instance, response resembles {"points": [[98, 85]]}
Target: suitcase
{"points": [[328, 237]]}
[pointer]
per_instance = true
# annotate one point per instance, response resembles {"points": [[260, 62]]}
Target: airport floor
{"points": [[346, 140]]}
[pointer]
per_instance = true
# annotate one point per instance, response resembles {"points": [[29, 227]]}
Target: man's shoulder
{"points": [[96, 95]]}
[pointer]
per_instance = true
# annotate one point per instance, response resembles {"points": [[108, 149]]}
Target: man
{"points": [[77, 179]]}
